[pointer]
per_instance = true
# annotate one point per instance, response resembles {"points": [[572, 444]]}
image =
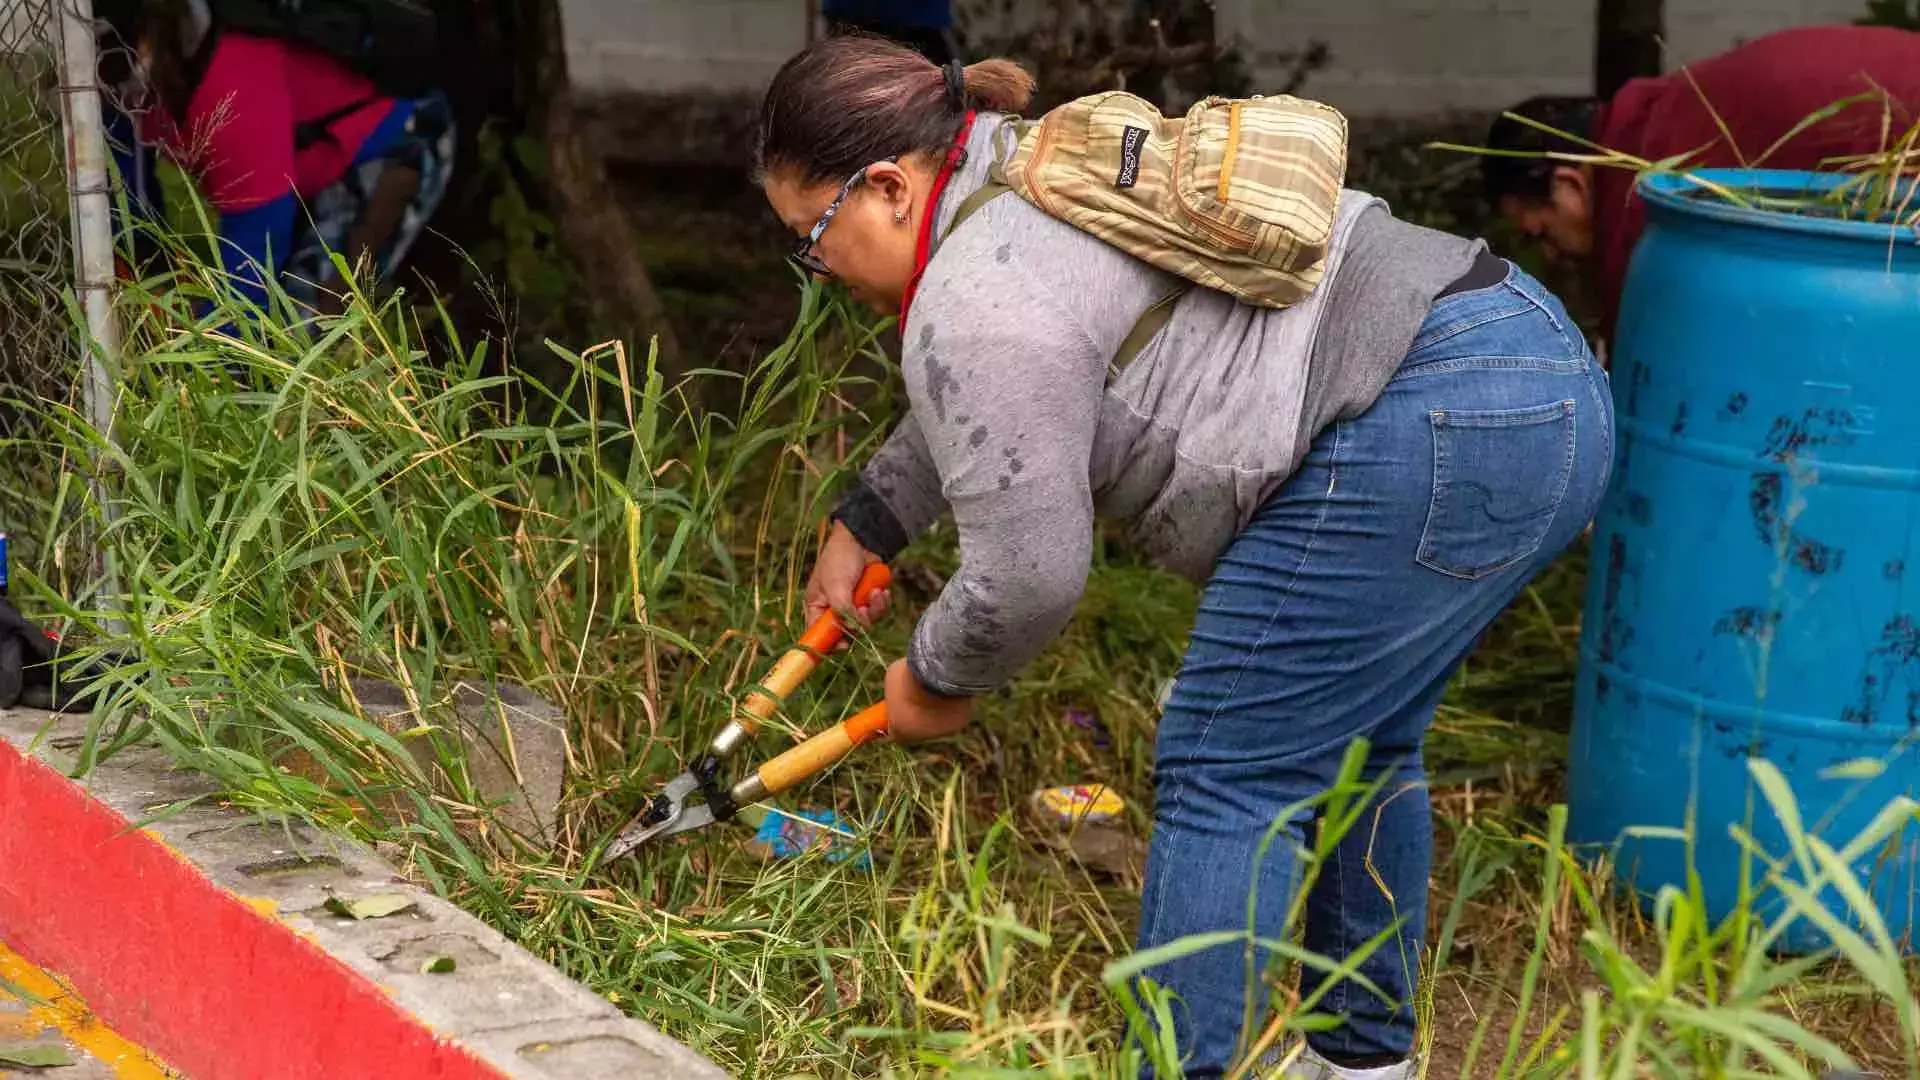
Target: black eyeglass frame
{"points": [[804, 257]]}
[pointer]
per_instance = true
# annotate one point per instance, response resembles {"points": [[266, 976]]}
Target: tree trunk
{"points": [[1627, 42], [593, 226]]}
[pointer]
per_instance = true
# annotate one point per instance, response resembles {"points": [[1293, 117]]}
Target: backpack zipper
{"points": [[1225, 235], [1233, 150]]}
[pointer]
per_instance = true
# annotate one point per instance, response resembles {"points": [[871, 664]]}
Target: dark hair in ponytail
{"points": [[846, 102]]}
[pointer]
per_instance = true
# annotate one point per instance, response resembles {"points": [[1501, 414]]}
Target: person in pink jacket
{"points": [[301, 156]]}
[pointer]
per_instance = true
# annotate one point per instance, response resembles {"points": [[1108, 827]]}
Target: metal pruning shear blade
{"points": [[669, 813], [666, 813]]}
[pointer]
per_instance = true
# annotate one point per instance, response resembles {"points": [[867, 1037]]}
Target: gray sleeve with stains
{"points": [[1007, 389], [898, 495]]}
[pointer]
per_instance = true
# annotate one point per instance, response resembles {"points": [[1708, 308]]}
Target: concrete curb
{"points": [[38, 1013], [205, 937]]}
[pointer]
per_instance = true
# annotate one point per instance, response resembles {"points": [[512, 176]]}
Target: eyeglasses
{"points": [[804, 257]]}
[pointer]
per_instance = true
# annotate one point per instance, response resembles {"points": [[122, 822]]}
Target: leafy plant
{"points": [[299, 504]]}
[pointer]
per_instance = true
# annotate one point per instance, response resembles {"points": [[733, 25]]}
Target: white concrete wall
{"points": [[1402, 57], [1389, 57], [672, 46]]}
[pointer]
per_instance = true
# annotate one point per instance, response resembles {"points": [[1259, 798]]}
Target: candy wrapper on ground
{"points": [[1089, 823], [788, 834]]}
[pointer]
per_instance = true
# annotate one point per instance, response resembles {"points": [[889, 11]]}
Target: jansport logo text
{"points": [[1132, 140]]}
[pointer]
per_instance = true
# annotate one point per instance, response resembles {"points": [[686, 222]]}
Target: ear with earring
{"points": [[899, 217]]}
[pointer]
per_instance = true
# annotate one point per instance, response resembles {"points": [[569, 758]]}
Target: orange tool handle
{"points": [[798, 662], [812, 757], [829, 629]]}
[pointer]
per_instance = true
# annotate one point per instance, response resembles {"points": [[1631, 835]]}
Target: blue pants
{"points": [[1341, 612]]}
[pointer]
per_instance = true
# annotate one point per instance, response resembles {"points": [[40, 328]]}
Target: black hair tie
{"points": [[956, 76]]}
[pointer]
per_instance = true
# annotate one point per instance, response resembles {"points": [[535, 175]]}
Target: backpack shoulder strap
{"points": [[988, 192], [320, 128], [996, 184], [1151, 321], [1145, 329]]}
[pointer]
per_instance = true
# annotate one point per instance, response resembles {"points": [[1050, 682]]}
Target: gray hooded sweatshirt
{"points": [[1016, 427]]}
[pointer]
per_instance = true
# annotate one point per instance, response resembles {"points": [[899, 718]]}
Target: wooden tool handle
{"points": [[798, 662], [811, 757], [829, 630]]}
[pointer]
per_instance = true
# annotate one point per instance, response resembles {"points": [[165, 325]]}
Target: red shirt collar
{"points": [[923, 248]]}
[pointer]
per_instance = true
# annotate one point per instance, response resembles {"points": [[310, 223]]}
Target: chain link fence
{"points": [[39, 352], [58, 335]]}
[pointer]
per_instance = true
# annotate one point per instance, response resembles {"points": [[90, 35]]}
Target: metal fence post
{"points": [[89, 194]]}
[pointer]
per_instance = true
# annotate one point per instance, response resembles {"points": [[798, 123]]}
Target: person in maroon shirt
{"points": [[1759, 91]]}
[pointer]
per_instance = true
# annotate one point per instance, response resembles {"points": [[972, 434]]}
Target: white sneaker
{"points": [[1312, 1066]]}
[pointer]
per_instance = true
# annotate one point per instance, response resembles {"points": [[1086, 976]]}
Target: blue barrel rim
{"points": [[1679, 193]]}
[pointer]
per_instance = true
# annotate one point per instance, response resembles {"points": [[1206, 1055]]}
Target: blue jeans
{"points": [[1341, 612]]}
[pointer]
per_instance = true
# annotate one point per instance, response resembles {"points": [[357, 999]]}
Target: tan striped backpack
{"points": [[1238, 195]]}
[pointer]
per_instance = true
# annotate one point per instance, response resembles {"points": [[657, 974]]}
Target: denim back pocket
{"points": [[1498, 480]]}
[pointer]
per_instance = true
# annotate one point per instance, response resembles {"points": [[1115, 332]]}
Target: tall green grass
{"points": [[299, 502]]}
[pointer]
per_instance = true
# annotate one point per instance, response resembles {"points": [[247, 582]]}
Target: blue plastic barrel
{"points": [[1755, 582]]}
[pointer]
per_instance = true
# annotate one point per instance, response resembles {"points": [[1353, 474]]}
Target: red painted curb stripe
{"points": [[180, 965]]}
